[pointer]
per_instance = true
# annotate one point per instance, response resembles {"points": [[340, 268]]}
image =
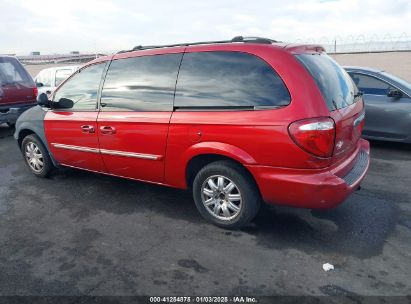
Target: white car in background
{"points": [[48, 79]]}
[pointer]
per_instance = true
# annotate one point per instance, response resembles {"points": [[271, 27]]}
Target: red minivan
{"points": [[18, 91], [237, 122]]}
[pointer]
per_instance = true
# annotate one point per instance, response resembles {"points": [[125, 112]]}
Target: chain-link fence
{"points": [[362, 43]]}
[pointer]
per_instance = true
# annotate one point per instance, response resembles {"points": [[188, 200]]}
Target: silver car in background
{"points": [[387, 104], [47, 80]]}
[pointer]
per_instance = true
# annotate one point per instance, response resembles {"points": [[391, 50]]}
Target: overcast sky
{"points": [[53, 26]]}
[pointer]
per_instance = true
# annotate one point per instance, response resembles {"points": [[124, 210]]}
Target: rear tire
{"points": [[226, 194], [11, 124], [36, 156]]}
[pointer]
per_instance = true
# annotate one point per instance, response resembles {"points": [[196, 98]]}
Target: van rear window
{"points": [[335, 84], [11, 71]]}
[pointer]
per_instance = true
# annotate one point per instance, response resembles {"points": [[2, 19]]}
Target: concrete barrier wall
{"points": [[397, 63]]}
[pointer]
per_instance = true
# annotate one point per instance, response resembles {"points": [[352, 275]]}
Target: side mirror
{"points": [[394, 93], [63, 103], [39, 84], [43, 100]]}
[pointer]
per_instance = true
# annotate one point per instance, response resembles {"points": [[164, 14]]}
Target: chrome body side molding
{"points": [[107, 152]]}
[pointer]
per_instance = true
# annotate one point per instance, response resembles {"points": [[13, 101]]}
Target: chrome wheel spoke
{"points": [[210, 202], [229, 187], [217, 209], [233, 207], [212, 185], [226, 212], [208, 192], [220, 183], [234, 197]]}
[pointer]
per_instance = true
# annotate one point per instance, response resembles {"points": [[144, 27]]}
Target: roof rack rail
{"points": [[235, 39]]}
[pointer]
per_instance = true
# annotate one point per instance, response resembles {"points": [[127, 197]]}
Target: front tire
{"points": [[226, 195], [36, 156]]}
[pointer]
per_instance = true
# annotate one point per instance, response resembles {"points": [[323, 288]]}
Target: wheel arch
{"points": [[196, 163], [26, 131], [201, 154]]}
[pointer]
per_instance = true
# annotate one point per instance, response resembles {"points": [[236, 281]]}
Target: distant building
{"points": [[73, 57]]}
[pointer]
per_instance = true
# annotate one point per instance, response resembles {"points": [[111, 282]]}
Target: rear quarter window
{"points": [[228, 80], [335, 84]]}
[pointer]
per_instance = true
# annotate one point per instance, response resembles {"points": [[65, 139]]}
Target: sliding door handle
{"points": [[87, 129], [107, 130]]}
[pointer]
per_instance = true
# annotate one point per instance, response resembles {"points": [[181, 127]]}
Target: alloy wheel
{"points": [[221, 197], [34, 157]]}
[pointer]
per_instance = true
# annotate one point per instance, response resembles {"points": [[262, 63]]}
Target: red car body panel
{"points": [[321, 188], [65, 128], [135, 132], [258, 139]]}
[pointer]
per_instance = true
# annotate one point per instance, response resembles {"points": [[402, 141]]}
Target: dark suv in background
{"points": [[18, 91]]}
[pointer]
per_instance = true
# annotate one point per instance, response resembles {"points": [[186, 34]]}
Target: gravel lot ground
{"points": [[79, 233]]}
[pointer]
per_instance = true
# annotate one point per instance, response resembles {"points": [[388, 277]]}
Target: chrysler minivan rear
{"points": [[333, 140]]}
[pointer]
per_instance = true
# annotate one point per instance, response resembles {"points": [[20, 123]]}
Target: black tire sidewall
{"points": [[246, 185], [48, 165]]}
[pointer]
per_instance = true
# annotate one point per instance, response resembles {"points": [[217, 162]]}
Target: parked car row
{"points": [[49, 79], [387, 104], [18, 91]]}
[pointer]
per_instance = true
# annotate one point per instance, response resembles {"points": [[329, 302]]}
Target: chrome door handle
{"points": [[107, 130], [87, 129]]}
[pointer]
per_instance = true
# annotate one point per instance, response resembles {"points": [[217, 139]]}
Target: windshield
{"points": [[11, 71], [335, 84]]}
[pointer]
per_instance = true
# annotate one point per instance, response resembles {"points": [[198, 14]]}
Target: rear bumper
{"points": [[11, 115], [325, 188]]}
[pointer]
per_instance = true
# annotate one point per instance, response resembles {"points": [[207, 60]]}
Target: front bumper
{"points": [[311, 188]]}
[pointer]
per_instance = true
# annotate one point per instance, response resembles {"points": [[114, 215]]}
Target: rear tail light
{"points": [[361, 121], [35, 92], [314, 135]]}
